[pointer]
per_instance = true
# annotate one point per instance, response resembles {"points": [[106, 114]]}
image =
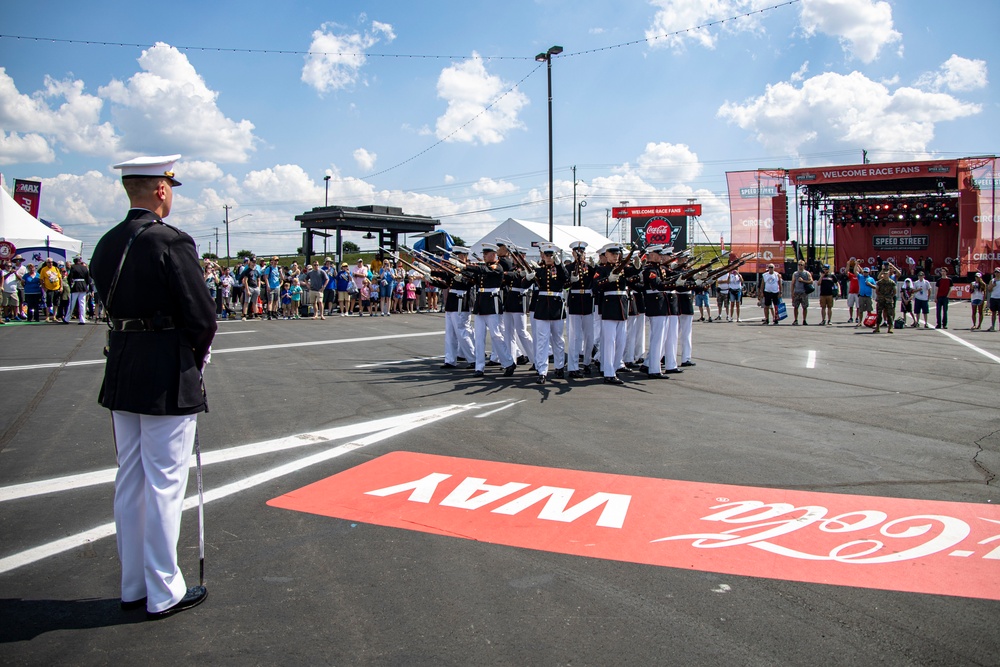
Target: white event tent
{"points": [[19, 227], [528, 235]]}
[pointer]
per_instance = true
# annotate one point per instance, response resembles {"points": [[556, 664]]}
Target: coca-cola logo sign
{"points": [[866, 541]]}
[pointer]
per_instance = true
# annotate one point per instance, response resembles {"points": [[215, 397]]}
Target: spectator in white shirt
{"points": [[921, 298]]}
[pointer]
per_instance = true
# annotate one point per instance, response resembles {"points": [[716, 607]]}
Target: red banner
{"points": [[28, 194], [873, 172], [978, 246], [897, 544], [653, 211], [751, 196]]}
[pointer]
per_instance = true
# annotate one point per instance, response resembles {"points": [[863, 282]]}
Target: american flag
{"points": [[53, 226]]}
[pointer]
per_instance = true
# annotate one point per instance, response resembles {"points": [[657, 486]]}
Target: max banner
{"points": [[920, 546]]}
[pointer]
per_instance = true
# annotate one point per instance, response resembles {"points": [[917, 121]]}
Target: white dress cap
{"points": [[150, 167]]}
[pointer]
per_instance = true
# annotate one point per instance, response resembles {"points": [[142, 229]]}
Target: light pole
{"points": [[579, 211], [621, 229], [691, 201], [547, 59], [327, 180]]}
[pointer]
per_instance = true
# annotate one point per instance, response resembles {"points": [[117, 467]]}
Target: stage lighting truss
{"points": [[911, 210]]}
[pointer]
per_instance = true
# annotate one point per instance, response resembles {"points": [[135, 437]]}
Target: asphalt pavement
{"points": [[365, 507]]}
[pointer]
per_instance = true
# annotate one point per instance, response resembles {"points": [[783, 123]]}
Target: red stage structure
{"points": [[944, 210]]}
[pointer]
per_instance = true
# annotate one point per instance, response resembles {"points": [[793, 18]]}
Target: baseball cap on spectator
{"points": [[343, 264], [18, 258], [866, 270]]}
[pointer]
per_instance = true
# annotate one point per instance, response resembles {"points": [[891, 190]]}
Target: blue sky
{"points": [[657, 120]]}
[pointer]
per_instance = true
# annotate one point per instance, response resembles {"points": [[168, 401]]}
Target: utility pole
{"points": [[229, 260], [574, 195], [216, 240]]}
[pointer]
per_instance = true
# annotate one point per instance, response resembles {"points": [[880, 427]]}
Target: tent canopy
{"points": [[529, 234], [19, 227]]}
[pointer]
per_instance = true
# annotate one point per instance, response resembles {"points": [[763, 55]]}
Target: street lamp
{"points": [[547, 59], [327, 179], [579, 211]]}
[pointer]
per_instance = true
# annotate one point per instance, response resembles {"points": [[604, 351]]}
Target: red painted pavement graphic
{"points": [[887, 543]]}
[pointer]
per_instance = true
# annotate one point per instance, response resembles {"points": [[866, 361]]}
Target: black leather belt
{"points": [[142, 324]]}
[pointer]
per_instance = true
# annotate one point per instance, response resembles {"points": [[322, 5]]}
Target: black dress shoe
{"points": [[688, 363], [522, 360], [469, 367], [586, 370], [575, 374], [630, 365], [134, 604], [644, 368], [560, 373], [492, 363], [657, 376], [673, 370], [478, 374], [507, 372], [194, 597], [448, 367], [540, 379], [613, 380]]}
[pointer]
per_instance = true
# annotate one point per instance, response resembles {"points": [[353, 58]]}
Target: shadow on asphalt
{"points": [[23, 620]]}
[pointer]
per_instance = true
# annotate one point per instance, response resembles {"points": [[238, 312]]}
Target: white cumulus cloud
{"points": [[468, 89], [489, 186], [957, 74], [365, 159], [16, 148], [836, 111], [167, 108], [61, 113], [335, 58], [669, 162], [863, 27], [683, 17]]}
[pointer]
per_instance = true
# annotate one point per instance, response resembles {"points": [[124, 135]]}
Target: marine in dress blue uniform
{"points": [[581, 311], [162, 323], [551, 278], [488, 279]]}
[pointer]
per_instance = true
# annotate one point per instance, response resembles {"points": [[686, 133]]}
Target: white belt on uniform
{"points": [[490, 290], [616, 294], [558, 294], [519, 290], [580, 291], [653, 291]]}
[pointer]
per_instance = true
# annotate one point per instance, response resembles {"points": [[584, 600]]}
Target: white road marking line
{"points": [[234, 333], [981, 351], [79, 481], [38, 553], [811, 360], [398, 361], [337, 341], [256, 348], [493, 412]]}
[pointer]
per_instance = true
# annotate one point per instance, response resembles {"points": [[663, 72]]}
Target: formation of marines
{"points": [[606, 305]]}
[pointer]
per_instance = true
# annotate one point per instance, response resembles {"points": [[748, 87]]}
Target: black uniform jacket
{"points": [[488, 279], [685, 298], [458, 290], [155, 372], [551, 281], [581, 294], [654, 279], [614, 293]]}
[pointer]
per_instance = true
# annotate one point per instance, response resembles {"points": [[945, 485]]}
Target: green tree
{"points": [[210, 255], [244, 253], [350, 247], [458, 240]]}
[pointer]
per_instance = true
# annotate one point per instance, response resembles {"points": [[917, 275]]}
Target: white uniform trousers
{"points": [[549, 332], [154, 455], [657, 339], [581, 335], [77, 300], [670, 345], [635, 338], [457, 338], [598, 330], [490, 324], [613, 333], [684, 323], [515, 329]]}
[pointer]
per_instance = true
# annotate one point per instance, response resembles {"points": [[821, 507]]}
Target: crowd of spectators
{"points": [[317, 291], [50, 291]]}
